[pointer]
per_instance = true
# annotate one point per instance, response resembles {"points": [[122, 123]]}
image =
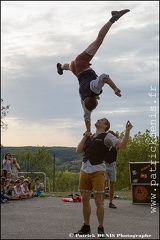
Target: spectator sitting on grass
{"points": [[39, 188]]}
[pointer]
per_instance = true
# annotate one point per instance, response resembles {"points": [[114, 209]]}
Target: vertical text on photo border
{"points": [[153, 146]]}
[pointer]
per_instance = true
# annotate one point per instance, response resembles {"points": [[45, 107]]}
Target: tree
{"points": [[142, 147], [41, 160], [138, 150], [4, 111]]}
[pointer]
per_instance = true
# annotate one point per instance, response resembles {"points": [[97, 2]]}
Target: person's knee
{"points": [[85, 198], [111, 185], [99, 203], [98, 199]]}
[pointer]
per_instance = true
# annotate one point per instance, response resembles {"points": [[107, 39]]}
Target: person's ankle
{"points": [[87, 224], [112, 20], [100, 226]]}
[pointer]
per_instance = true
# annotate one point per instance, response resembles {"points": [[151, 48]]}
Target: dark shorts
{"points": [[81, 62]]}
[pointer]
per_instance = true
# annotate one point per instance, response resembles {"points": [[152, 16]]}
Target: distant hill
{"points": [[66, 157]]}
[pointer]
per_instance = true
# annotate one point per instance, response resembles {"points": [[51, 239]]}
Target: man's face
{"points": [[101, 123]]}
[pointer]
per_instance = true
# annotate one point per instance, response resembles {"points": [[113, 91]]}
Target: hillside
{"points": [[66, 158]]}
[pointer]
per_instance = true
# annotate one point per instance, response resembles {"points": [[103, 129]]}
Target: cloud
{"points": [[37, 35]]}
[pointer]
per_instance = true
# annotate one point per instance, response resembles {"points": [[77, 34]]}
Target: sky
{"points": [[45, 108]]}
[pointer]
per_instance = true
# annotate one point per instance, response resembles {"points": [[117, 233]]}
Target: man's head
{"points": [[103, 124], [90, 103]]}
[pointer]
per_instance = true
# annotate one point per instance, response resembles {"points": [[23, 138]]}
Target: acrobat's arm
{"points": [[87, 118]]}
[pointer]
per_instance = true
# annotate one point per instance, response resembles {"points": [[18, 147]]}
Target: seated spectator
{"points": [[3, 199], [15, 165], [10, 192], [4, 173], [13, 177], [7, 162], [19, 189], [7, 180], [25, 189], [8, 175], [3, 179], [29, 185], [39, 188], [21, 179]]}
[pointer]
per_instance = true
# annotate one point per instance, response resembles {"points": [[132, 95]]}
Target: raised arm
{"points": [[124, 141], [87, 117], [113, 86], [88, 125], [81, 145], [17, 166]]}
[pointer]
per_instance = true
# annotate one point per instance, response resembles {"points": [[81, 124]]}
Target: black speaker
{"points": [[144, 172], [144, 178]]}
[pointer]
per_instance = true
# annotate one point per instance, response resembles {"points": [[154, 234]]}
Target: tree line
{"points": [[62, 164]]}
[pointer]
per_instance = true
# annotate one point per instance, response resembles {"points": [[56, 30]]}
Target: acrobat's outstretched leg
{"points": [[94, 46]]}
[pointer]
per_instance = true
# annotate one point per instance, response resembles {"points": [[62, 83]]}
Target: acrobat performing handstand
{"points": [[90, 85]]}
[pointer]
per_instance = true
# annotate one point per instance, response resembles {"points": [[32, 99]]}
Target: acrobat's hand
{"points": [[87, 134], [128, 125], [118, 92]]}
